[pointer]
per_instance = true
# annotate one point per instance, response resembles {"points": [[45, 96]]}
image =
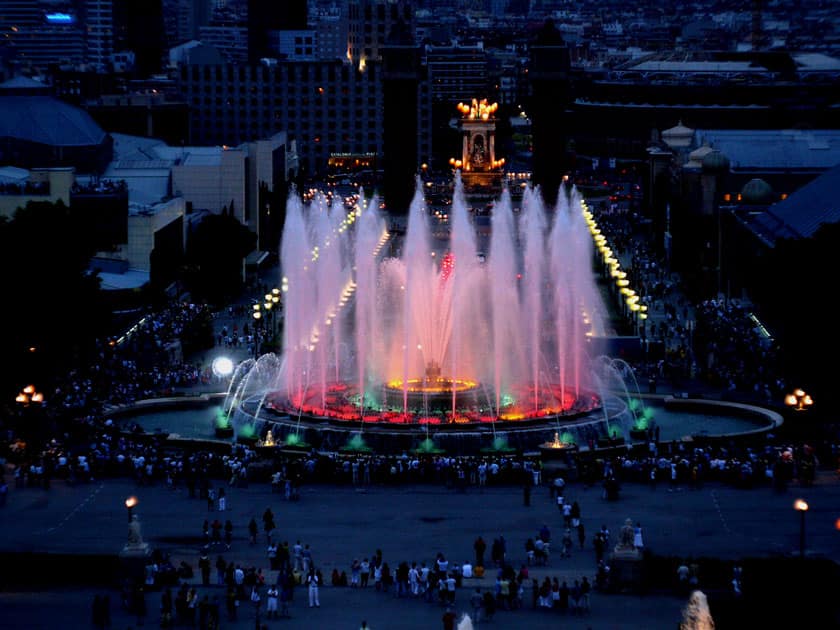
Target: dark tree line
{"points": [[53, 308], [796, 294]]}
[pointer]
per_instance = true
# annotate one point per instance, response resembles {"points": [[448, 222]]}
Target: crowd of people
{"points": [[722, 346], [717, 341]]}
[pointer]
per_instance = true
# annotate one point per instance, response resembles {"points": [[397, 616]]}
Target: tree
{"points": [[794, 293], [53, 307], [215, 253]]}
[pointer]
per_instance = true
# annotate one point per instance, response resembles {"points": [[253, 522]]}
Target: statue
{"points": [[626, 542], [135, 537]]}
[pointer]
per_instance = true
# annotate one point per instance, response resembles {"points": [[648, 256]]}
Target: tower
{"points": [[402, 75], [550, 87]]}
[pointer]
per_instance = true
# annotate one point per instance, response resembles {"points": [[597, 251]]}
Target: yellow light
{"points": [[131, 501], [29, 389], [800, 505]]}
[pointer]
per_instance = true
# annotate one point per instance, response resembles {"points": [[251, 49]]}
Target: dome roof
{"points": [[680, 131], [46, 120], [757, 192], [715, 162], [699, 153], [678, 137]]}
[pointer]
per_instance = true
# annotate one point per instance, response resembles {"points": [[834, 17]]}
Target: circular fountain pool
{"points": [[677, 419]]}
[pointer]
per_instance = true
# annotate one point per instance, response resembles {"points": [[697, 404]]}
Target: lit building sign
{"points": [[60, 18]]}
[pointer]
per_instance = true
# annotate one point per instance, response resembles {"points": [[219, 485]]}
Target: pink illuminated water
{"points": [[367, 309]]}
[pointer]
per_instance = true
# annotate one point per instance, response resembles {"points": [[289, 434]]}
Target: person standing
{"points": [[252, 531], [166, 608], [312, 582], [479, 546], [272, 597], [204, 567], [268, 524], [307, 558], [272, 556], [364, 573], [228, 533], [192, 604], [205, 532], [222, 500], [256, 600], [476, 601], [449, 619], [297, 550], [638, 542]]}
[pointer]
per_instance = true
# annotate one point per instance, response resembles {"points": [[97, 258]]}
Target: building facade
{"points": [[326, 106]]}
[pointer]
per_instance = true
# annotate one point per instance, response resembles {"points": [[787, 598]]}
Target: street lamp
{"points": [[29, 395], [222, 367], [801, 506], [130, 502], [799, 400], [257, 315]]}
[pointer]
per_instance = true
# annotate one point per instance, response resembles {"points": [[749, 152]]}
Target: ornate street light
{"points": [[799, 400], [130, 502]]}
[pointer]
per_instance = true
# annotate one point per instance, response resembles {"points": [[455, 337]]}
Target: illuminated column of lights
{"points": [[354, 212], [629, 296]]}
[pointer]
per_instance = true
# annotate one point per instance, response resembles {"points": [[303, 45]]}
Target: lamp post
{"points": [[29, 395], [799, 400], [257, 315], [801, 506], [268, 308], [130, 502], [275, 299]]}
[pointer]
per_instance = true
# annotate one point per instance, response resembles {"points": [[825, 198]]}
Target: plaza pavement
{"points": [[409, 523]]}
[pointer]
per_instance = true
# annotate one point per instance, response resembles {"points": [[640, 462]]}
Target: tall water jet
{"points": [[435, 331]]}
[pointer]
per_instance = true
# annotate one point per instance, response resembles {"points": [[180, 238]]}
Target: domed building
{"points": [[39, 131], [757, 192], [678, 137]]}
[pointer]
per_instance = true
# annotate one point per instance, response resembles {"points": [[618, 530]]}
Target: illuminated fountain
{"points": [[415, 338]]}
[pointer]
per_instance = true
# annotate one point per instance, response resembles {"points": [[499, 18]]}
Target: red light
{"points": [[447, 266]]}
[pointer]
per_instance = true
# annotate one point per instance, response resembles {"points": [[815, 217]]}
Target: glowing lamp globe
{"points": [[222, 366]]}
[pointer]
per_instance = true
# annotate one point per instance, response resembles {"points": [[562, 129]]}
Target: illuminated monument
{"points": [[481, 172]]}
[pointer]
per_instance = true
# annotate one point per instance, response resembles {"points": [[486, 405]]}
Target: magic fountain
{"points": [[408, 338]]}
